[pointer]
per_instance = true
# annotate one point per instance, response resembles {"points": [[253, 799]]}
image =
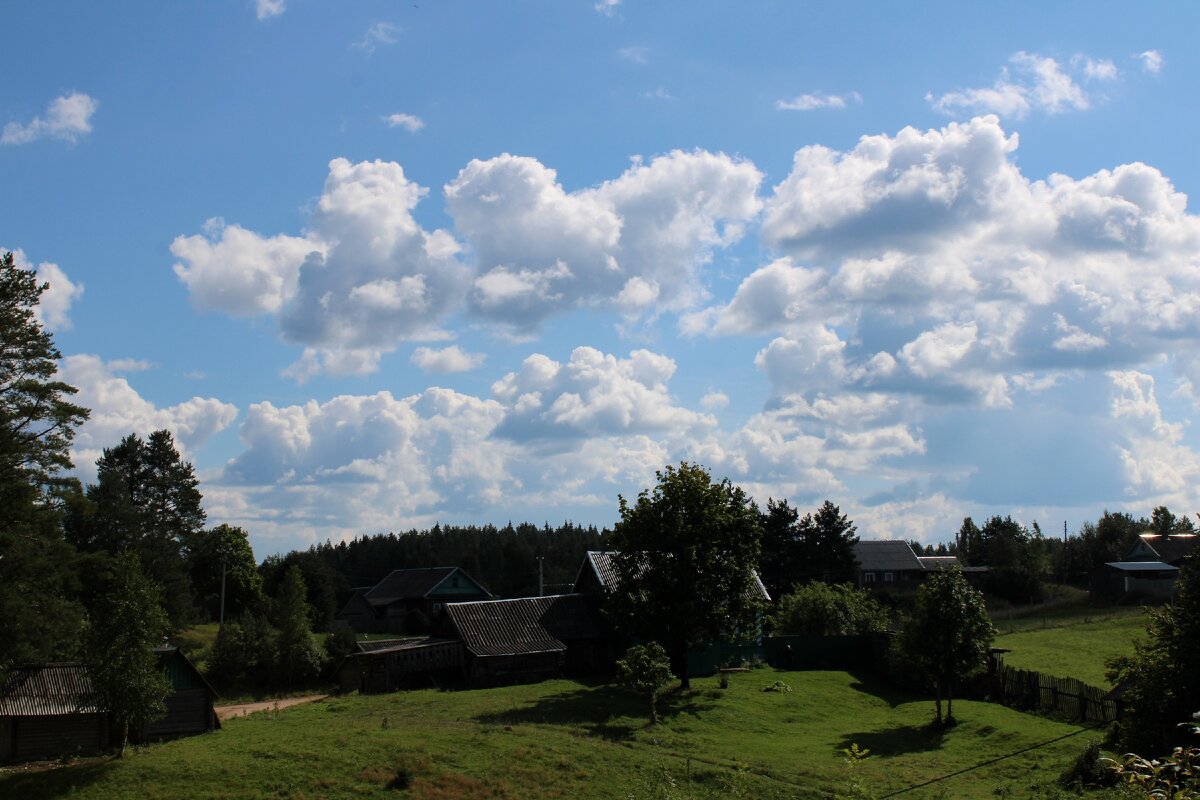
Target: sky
{"points": [[380, 265]]}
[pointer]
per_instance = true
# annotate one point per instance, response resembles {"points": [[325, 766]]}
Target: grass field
{"points": [[565, 739], [1075, 645]]}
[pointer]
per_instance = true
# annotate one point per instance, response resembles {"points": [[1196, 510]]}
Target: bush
{"points": [[819, 609], [645, 670]]}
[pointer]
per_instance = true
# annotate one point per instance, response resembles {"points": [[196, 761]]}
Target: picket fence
{"points": [[1070, 697]]}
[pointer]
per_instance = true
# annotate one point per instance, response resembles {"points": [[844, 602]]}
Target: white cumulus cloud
{"points": [[409, 122], [68, 117], [447, 359], [1029, 82], [814, 101]]}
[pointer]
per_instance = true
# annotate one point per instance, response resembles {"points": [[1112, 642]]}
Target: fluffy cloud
{"points": [[68, 118], [447, 359], [265, 9], [638, 240], [1029, 82], [380, 33], [364, 277], [409, 122], [54, 307], [118, 410], [812, 102], [1152, 61], [926, 262], [1159, 466]]}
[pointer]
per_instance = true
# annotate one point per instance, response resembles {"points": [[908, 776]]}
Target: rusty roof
{"points": [[48, 690], [526, 624]]}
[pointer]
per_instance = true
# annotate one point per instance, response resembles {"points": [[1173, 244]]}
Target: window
{"points": [[888, 577], [868, 577]]}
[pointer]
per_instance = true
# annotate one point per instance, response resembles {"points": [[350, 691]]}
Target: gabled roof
{"points": [[181, 671], [1171, 548], [527, 624], [938, 562], [403, 584], [48, 690], [601, 564], [885, 555]]}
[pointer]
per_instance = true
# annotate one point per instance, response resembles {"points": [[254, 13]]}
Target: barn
{"points": [[190, 703], [48, 711], [530, 639], [386, 666]]}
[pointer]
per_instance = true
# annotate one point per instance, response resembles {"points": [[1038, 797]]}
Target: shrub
{"points": [[819, 609], [645, 670]]}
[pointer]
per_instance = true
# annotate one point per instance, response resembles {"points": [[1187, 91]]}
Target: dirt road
{"points": [[241, 710]]}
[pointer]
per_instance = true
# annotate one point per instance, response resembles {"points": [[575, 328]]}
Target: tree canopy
{"points": [[684, 558], [947, 635]]}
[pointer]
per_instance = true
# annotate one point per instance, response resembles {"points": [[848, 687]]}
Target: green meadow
{"points": [[566, 739], [1075, 646]]}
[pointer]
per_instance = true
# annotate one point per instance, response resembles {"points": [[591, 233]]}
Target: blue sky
{"points": [[379, 265]]}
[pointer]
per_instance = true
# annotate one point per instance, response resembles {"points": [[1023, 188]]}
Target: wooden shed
{"points": [[401, 664], [530, 639], [190, 703], [48, 711]]}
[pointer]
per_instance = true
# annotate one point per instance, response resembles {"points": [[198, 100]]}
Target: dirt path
{"points": [[241, 710]]}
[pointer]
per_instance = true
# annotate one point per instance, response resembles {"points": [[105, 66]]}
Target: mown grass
{"points": [[1076, 646], [566, 739]]}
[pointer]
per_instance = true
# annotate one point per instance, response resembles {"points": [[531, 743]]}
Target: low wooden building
{"points": [[530, 639], [190, 705], [51, 710], [1148, 579], [401, 664], [48, 711], [409, 601]]}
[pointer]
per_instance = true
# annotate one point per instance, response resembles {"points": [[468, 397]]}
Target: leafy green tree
{"points": [[821, 609], [300, 657], [1161, 680], [1016, 558], [684, 563], [645, 671], [123, 630], [1164, 523], [39, 617], [947, 636], [969, 543], [225, 548]]}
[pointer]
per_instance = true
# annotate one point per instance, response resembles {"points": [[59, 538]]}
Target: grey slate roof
{"points": [[49, 690], [527, 624], [885, 555], [1172, 548], [938, 562], [600, 562]]}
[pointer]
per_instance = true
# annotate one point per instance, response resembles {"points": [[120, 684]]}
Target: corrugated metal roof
{"points": [[387, 644], [397, 645], [1141, 566], [888, 555], [49, 690], [602, 564], [938, 562], [526, 625]]}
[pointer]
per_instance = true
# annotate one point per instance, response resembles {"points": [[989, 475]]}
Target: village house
{"points": [[891, 565], [50, 710], [409, 601], [1148, 569]]}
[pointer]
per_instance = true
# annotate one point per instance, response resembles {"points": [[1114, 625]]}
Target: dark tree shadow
{"points": [[869, 683], [897, 741], [600, 709], [51, 783]]}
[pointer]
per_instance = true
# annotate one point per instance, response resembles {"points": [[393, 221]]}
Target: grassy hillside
{"points": [[565, 739], [1074, 646]]}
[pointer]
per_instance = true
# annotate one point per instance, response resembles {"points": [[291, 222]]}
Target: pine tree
{"points": [[300, 657]]}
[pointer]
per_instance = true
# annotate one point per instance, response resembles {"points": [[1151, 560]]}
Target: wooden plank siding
{"points": [[188, 711], [32, 738]]}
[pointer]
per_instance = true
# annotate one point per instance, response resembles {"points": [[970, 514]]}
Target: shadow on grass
{"points": [[897, 741], [601, 709], [869, 683], [50, 783]]}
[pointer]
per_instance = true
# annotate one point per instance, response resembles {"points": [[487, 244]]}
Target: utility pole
{"points": [[541, 581], [224, 559]]}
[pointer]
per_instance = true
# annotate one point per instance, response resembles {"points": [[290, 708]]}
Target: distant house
{"points": [[1170, 550], [1150, 579], [889, 564], [530, 638], [51, 710], [409, 601]]}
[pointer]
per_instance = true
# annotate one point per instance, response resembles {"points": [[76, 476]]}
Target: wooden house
{"points": [[409, 601], [1170, 550], [530, 639], [48, 711], [888, 565], [51, 710]]}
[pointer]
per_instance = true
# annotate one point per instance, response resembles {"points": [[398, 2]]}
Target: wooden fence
{"points": [[1071, 697]]}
